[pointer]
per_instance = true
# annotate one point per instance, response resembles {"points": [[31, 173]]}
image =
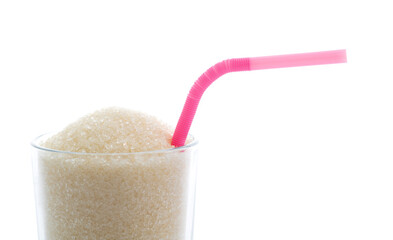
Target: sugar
{"points": [[141, 196], [113, 130]]}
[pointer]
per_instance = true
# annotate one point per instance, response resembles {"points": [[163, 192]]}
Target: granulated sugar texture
{"points": [[113, 130], [140, 196]]}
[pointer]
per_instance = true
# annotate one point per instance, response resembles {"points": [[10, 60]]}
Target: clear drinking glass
{"points": [[118, 196]]}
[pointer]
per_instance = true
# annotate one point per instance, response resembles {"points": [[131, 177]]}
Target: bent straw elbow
{"points": [[197, 90]]}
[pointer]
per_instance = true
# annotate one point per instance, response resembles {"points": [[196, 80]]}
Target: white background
{"points": [[300, 153]]}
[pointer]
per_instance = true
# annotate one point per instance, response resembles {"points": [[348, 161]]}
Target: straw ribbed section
{"points": [[197, 90]]}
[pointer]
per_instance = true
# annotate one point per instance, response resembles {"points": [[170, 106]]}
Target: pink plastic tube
{"points": [[245, 64]]}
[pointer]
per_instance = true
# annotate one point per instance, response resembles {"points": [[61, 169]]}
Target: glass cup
{"points": [[139, 196]]}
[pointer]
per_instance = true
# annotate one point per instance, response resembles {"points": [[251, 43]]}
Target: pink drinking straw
{"points": [[245, 64]]}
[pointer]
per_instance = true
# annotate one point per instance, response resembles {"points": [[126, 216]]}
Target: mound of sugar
{"points": [[140, 196], [113, 130]]}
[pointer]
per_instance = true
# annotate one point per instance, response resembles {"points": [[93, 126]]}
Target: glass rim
{"points": [[35, 144]]}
